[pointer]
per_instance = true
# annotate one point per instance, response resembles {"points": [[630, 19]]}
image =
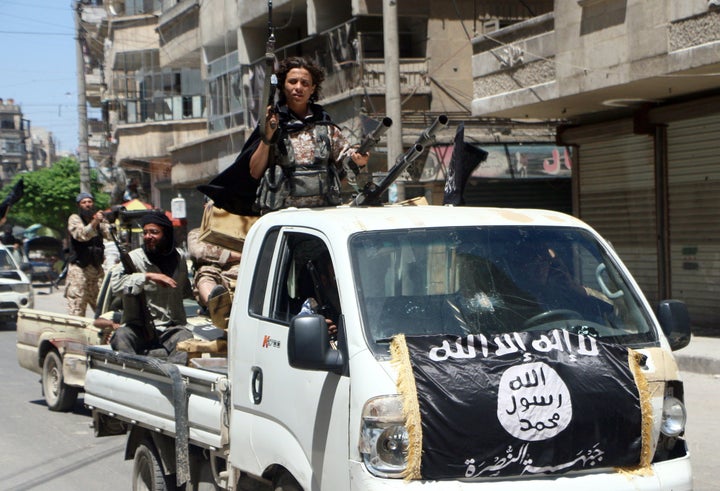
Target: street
{"points": [[43, 450]]}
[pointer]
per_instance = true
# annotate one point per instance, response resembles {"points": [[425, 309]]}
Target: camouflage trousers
{"points": [[82, 288]]}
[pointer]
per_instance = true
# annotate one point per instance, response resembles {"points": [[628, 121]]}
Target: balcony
{"points": [[179, 35], [162, 108], [123, 8], [94, 87], [552, 68]]}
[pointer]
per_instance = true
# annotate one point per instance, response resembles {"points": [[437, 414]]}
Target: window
{"points": [[225, 93], [149, 93], [494, 280], [262, 273], [305, 280]]}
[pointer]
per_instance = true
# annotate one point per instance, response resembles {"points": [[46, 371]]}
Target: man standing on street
{"points": [[153, 294], [87, 228]]}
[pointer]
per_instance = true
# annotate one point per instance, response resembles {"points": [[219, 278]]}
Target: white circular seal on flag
{"points": [[533, 402]]}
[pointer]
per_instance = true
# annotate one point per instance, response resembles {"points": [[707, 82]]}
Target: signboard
{"points": [[508, 161]]}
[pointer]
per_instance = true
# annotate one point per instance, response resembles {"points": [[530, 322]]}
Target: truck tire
{"points": [[147, 471], [285, 482], [58, 395]]}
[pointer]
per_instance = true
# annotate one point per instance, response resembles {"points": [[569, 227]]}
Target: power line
{"points": [[36, 33]]}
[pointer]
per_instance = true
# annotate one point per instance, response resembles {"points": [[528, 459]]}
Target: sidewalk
{"points": [[702, 355]]}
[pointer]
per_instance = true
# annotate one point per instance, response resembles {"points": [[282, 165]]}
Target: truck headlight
{"points": [[383, 437], [22, 288], [674, 417]]}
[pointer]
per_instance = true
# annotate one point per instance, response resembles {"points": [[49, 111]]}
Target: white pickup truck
{"points": [[53, 345], [543, 367]]}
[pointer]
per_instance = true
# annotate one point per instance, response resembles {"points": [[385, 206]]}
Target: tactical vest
{"points": [[286, 178], [90, 253]]}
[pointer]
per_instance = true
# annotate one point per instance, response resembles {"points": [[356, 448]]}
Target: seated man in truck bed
{"points": [[154, 317]]}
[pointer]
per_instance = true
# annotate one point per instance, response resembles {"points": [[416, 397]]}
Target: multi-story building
{"points": [[41, 151], [14, 134], [182, 83], [634, 85]]}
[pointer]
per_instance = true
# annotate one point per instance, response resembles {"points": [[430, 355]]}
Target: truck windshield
{"points": [[493, 280]]}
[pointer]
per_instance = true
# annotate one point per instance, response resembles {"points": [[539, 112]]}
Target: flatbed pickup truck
{"points": [[53, 345], [476, 348]]}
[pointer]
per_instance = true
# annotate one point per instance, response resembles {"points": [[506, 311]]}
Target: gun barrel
{"points": [[370, 140], [373, 192], [428, 134], [374, 136], [268, 93]]}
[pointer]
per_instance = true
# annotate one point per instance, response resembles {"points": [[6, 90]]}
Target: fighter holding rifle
{"points": [[153, 281]]}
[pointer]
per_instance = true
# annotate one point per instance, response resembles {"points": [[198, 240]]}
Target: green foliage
{"points": [[49, 196]]}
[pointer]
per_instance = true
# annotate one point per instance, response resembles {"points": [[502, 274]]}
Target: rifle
{"points": [[370, 140], [370, 195], [323, 308], [270, 83], [148, 329]]}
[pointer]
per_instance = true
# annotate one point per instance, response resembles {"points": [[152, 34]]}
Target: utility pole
{"points": [[392, 84], [83, 158]]}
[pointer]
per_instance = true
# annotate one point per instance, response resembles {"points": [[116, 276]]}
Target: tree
{"points": [[50, 193]]}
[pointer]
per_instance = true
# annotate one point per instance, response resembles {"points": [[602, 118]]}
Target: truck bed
{"points": [[68, 333], [160, 396]]}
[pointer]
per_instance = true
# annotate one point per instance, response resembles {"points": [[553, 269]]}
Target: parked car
{"points": [[42, 253], [15, 288]]}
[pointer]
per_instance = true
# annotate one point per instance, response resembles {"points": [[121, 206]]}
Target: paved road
{"points": [[702, 399], [43, 450]]}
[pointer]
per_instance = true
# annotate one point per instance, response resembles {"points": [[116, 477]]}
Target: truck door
{"points": [[301, 416]]}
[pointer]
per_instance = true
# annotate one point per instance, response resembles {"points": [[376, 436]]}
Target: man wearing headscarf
{"points": [[87, 228], [156, 289]]}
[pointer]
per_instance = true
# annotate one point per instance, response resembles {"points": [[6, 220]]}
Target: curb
{"points": [[698, 364]]}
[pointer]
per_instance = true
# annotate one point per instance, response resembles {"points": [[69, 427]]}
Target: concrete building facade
{"points": [[633, 88], [14, 137], [182, 82]]}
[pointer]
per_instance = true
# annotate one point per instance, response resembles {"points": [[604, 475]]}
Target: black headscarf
{"points": [[166, 257]]}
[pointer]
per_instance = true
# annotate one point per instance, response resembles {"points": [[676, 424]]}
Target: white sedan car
{"points": [[15, 288]]}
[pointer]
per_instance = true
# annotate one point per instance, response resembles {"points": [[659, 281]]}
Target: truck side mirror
{"points": [[674, 319], [309, 345]]}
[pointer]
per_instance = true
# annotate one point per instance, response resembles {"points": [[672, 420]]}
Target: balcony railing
{"points": [[349, 68], [413, 75]]}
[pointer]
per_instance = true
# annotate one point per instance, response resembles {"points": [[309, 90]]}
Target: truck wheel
{"points": [[58, 395], [285, 482], [147, 471]]}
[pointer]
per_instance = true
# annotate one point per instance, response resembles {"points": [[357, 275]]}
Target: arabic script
{"points": [[533, 402]]}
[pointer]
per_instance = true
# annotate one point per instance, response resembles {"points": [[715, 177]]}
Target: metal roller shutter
{"points": [[617, 198], [694, 215], [549, 194]]}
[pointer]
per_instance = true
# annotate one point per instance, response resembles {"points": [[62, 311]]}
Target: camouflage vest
{"points": [[286, 183]]}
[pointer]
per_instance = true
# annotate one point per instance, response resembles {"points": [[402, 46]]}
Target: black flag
{"points": [[12, 198], [234, 189], [465, 158], [523, 403]]}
